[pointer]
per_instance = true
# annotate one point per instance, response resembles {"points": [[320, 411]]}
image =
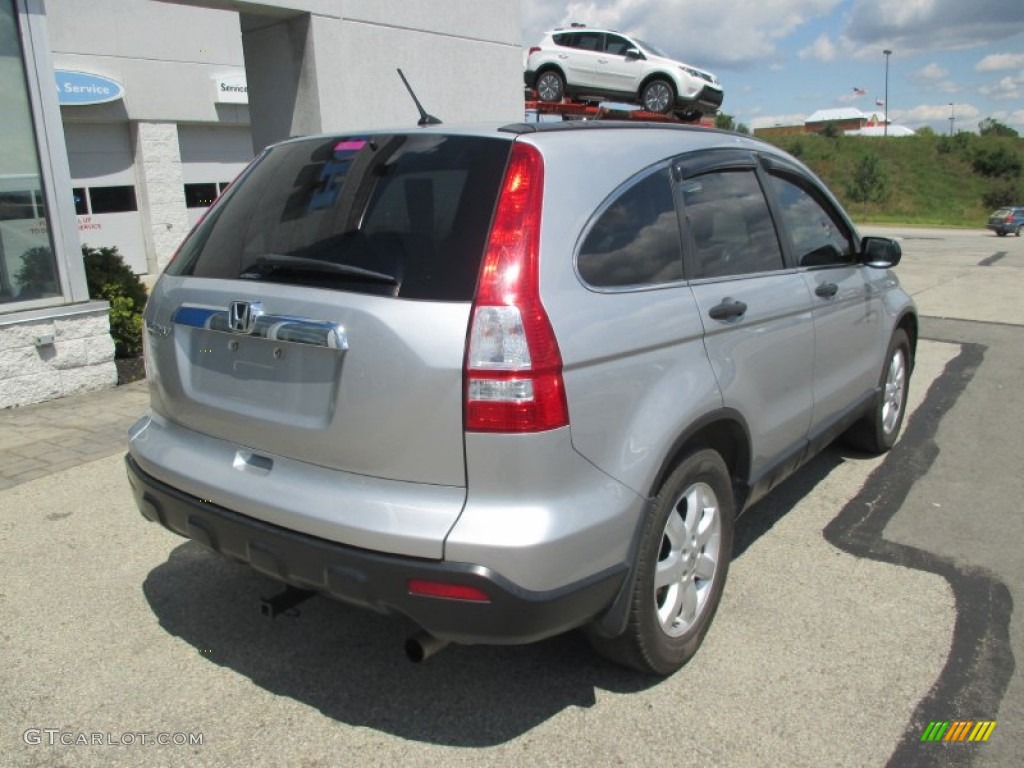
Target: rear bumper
{"points": [[1003, 227], [377, 581]]}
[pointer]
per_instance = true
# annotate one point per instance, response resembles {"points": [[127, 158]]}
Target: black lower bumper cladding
{"points": [[377, 581]]}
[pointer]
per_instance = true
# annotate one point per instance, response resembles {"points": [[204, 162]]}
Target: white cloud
{"points": [[935, 114], [1009, 87], [696, 31], [931, 72], [769, 121], [823, 49], [1000, 61], [928, 25]]}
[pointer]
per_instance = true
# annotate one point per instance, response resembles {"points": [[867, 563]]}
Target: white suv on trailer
{"points": [[597, 64]]}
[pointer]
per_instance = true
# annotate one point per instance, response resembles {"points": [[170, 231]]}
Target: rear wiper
{"points": [[282, 263]]}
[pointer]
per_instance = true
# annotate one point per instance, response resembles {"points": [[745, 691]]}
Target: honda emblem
{"points": [[242, 316]]}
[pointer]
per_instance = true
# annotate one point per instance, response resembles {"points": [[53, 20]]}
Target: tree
{"points": [[999, 162], [992, 127], [725, 122], [869, 183], [109, 277]]}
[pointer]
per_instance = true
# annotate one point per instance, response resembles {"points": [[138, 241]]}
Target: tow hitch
{"points": [[271, 607]]}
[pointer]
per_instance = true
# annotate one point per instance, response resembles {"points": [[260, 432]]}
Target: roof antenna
{"points": [[425, 119]]}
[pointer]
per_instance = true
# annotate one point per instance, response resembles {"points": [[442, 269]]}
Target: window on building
{"points": [[81, 201], [16, 205], [28, 269], [200, 195], [112, 199]]}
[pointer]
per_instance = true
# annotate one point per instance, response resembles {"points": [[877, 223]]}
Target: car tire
{"points": [[657, 96], [681, 567], [1000, 233], [877, 432], [550, 86]]}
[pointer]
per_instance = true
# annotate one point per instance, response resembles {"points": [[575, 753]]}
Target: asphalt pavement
{"points": [[868, 597]]}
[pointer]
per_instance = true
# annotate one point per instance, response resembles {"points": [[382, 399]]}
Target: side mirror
{"points": [[632, 54], [880, 252]]}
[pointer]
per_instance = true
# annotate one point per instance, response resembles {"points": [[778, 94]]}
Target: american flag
{"points": [[879, 103], [860, 91]]}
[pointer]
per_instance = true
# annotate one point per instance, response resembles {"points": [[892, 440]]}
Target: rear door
{"points": [[756, 312], [581, 56], [319, 312]]}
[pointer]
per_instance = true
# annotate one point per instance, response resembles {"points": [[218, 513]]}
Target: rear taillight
{"points": [[533, 50], [513, 368]]}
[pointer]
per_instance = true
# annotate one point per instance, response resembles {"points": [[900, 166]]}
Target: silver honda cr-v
{"points": [[513, 381]]}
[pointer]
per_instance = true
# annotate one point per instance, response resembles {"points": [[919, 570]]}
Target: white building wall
{"points": [[161, 189], [52, 353]]}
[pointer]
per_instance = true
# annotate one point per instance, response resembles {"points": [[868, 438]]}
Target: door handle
{"points": [[727, 309], [827, 290]]}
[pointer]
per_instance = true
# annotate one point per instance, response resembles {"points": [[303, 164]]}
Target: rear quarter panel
{"points": [[636, 373]]}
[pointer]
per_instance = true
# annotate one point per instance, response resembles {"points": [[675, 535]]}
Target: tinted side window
{"points": [[731, 226], [617, 45], [589, 41], [635, 240], [398, 215], [819, 237]]}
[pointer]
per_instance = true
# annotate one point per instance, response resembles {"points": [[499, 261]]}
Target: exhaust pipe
{"points": [[422, 646]]}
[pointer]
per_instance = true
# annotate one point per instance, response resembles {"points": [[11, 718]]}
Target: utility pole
{"points": [[952, 117], [887, 53]]}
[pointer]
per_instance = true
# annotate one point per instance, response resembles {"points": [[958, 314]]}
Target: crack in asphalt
{"points": [[980, 663]]}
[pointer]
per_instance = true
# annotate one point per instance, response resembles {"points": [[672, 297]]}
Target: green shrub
{"points": [[110, 279], [869, 183], [1002, 194], [1000, 162]]}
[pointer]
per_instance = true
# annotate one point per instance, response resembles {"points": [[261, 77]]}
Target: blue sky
{"points": [[781, 60]]}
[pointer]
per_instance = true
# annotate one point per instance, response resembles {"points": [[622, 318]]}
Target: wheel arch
{"points": [[908, 323], [664, 76], [725, 431], [550, 67]]}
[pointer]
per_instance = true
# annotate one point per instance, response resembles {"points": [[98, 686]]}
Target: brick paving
{"points": [[37, 440]]}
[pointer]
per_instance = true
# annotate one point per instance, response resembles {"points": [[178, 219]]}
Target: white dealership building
{"points": [[125, 118]]}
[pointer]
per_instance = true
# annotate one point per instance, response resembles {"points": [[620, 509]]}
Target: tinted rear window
{"points": [[400, 215]]}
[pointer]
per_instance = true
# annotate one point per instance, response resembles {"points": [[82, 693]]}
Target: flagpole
{"points": [[887, 53]]}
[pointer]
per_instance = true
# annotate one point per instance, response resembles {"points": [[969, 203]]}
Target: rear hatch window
{"points": [[402, 215]]}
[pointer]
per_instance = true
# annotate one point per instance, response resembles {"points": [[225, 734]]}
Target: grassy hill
{"points": [[926, 179]]}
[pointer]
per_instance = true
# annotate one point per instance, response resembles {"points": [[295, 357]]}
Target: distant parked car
{"points": [[1007, 220], [586, 63]]}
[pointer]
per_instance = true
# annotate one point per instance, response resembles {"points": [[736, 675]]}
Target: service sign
{"points": [[80, 88], [232, 89]]}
